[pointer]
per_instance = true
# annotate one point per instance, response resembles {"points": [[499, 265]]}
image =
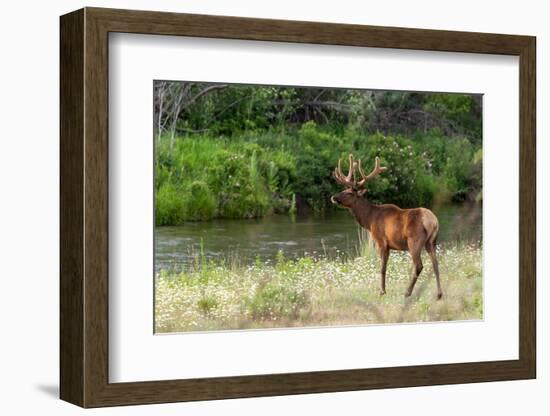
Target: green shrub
{"points": [[207, 304], [274, 302], [169, 205], [240, 186], [458, 167], [199, 203], [252, 174], [407, 182]]}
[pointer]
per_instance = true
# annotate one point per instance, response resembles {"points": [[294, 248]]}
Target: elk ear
{"points": [[362, 192]]}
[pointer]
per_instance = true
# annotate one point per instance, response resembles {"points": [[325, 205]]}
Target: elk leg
{"points": [[430, 248], [417, 268], [384, 254]]}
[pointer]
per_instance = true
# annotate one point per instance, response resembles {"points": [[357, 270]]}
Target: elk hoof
{"points": [[382, 292], [407, 294], [439, 295]]}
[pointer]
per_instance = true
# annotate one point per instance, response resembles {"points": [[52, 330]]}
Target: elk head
{"points": [[354, 189]]}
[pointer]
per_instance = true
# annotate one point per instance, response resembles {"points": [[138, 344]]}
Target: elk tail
{"points": [[431, 225]]}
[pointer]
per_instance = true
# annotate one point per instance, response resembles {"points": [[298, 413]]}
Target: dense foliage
{"points": [[243, 151]]}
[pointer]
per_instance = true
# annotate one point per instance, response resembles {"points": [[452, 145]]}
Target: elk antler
{"points": [[377, 169], [346, 180]]}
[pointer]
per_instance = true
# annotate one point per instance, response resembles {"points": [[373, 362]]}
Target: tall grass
{"points": [[203, 178], [250, 175], [314, 291]]}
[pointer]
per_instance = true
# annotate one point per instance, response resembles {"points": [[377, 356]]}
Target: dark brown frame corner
{"points": [[84, 207]]}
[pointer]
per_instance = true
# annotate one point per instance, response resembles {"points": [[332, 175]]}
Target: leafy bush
{"points": [[169, 205], [254, 174], [275, 301], [407, 182], [207, 304], [200, 203]]}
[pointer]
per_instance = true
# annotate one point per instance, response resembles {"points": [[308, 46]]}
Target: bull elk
{"points": [[391, 227]]}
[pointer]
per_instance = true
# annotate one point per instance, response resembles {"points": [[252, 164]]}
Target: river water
{"points": [[244, 241]]}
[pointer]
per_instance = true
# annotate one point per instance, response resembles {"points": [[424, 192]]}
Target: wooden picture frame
{"points": [[84, 207]]}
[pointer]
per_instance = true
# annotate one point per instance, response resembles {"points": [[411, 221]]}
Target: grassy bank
{"points": [[314, 291], [251, 174]]}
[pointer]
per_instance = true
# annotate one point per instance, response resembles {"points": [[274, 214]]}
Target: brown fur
{"points": [[393, 228]]}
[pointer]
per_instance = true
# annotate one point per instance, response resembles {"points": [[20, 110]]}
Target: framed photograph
{"points": [[255, 207]]}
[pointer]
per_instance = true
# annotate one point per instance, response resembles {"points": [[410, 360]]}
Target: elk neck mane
{"points": [[367, 214]]}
